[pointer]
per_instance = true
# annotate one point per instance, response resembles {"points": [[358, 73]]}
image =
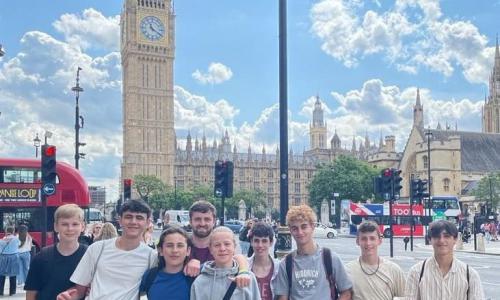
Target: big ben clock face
{"points": [[152, 28]]}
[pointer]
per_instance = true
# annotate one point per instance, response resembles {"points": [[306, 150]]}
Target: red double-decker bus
{"points": [[20, 197]]}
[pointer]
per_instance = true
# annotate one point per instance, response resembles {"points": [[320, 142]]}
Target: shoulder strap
{"points": [[422, 272], [468, 284], [230, 291], [150, 278], [327, 262], [98, 258], [289, 269]]}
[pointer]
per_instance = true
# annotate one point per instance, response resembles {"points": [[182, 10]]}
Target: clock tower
{"points": [[147, 54]]}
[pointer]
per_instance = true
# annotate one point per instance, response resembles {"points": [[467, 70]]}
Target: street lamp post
{"points": [[175, 190], [428, 134], [36, 143], [78, 120], [284, 240]]}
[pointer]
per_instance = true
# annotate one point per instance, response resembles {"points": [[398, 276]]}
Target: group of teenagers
{"points": [[206, 266]]}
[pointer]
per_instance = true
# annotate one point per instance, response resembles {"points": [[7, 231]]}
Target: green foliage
{"points": [[348, 176], [486, 192], [147, 185]]}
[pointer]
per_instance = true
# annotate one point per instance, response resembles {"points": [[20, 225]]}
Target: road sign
{"points": [[332, 207], [218, 193], [439, 216], [49, 189]]}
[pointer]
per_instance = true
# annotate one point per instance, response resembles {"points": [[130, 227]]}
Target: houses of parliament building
{"points": [[150, 145]]}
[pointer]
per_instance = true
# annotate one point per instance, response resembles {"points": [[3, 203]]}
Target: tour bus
{"points": [[20, 197], [379, 212], [442, 208]]}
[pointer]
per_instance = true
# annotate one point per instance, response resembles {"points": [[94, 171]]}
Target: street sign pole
{"points": [[44, 218], [222, 212]]}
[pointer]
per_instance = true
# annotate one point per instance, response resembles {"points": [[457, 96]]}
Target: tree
{"points": [[147, 185], [348, 176], [488, 190]]}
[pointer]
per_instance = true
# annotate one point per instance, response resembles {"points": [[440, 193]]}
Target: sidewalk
{"points": [[491, 248], [20, 293]]}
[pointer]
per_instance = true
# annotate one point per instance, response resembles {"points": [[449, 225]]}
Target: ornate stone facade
{"points": [[147, 53], [491, 109]]}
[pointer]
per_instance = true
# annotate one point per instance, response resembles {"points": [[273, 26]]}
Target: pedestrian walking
{"points": [[108, 231], [442, 276], [9, 260], [26, 242]]}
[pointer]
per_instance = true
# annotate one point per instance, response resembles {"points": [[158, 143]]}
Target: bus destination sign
{"points": [[19, 195]]}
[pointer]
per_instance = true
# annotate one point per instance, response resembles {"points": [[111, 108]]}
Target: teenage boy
{"points": [[310, 264], [374, 278], [51, 269], [261, 263], [202, 216], [442, 276], [113, 268]]}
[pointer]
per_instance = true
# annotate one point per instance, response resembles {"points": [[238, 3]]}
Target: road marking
{"points": [[490, 283]]}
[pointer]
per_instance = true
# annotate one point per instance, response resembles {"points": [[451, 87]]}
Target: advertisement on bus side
{"points": [[19, 194]]}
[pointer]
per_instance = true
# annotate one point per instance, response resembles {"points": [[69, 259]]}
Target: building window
{"points": [[297, 187], [256, 173], [297, 174], [446, 185], [425, 161], [309, 174], [180, 171], [296, 200], [270, 188], [270, 173], [256, 185], [241, 173]]}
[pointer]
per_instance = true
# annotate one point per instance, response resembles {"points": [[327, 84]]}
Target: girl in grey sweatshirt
{"points": [[215, 277]]}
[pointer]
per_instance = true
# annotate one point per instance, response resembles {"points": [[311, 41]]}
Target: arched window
{"points": [[446, 185], [425, 161]]}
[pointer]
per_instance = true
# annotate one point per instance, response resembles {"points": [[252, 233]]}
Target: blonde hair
{"points": [[220, 229], [301, 213], [108, 231], [68, 211]]}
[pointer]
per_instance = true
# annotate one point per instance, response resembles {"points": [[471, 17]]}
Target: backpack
{"points": [[327, 262], [151, 276], [422, 274]]}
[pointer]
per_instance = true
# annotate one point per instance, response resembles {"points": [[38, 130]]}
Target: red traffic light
{"points": [[127, 182], [387, 173], [50, 151]]}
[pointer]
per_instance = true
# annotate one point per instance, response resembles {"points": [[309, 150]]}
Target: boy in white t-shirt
{"points": [[113, 268]]}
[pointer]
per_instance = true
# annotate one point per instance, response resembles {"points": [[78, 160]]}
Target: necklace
{"points": [[369, 274]]}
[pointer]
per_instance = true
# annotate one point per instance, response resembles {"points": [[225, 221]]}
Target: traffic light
{"points": [[386, 186], [127, 189], [223, 179], [220, 179], [414, 191], [229, 179], [49, 173], [422, 189], [396, 183]]}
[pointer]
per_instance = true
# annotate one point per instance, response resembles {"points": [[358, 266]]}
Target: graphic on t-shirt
{"points": [[307, 278]]}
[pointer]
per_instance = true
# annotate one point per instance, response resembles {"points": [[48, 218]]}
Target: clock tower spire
{"points": [[147, 53]]}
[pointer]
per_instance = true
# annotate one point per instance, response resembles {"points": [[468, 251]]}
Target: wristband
{"points": [[243, 272]]}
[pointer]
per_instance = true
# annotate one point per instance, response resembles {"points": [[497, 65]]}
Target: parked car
{"points": [[234, 225], [322, 231]]}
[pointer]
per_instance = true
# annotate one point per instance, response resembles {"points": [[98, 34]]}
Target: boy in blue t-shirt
{"points": [[168, 278]]}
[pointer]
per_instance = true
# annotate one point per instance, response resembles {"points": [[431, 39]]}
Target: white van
{"points": [[179, 218]]}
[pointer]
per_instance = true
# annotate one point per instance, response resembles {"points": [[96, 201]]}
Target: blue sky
{"points": [[364, 59]]}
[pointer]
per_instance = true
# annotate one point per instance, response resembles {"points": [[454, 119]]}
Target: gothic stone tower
{"points": [[491, 108], [147, 53], [317, 130]]}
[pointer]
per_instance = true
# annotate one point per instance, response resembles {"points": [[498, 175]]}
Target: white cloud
{"points": [[92, 29], [217, 73], [411, 35]]}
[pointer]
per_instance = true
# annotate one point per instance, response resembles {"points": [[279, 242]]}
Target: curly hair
{"points": [[301, 213]]}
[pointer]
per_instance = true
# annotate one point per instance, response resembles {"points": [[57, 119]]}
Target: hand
{"points": [[71, 294], [242, 280], [192, 268]]}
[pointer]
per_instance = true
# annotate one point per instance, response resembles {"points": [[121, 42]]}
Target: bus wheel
{"points": [[387, 233]]}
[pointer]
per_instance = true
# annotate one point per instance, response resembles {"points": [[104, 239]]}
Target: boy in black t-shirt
{"points": [[51, 269]]}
